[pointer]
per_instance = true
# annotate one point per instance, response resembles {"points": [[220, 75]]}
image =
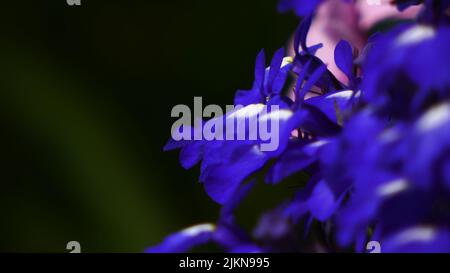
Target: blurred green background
{"points": [[85, 100]]}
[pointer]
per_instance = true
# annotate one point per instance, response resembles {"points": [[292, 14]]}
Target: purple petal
{"points": [[247, 97], [260, 69], [275, 67], [322, 202], [191, 154], [291, 161], [343, 56], [333, 105], [223, 179], [280, 80]]}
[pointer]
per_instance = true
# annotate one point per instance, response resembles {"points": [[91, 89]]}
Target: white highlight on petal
{"points": [[341, 95], [415, 35], [196, 230], [434, 118], [390, 135], [393, 187], [318, 143], [287, 61], [282, 114], [416, 234], [312, 149]]}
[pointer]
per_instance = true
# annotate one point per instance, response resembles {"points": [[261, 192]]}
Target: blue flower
{"points": [[226, 164], [306, 62], [268, 82], [399, 182], [424, 77], [317, 200], [343, 57], [376, 150]]}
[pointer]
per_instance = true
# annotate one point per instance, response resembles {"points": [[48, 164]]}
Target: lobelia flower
{"points": [[321, 111], [202, 234], [226, 164], [358, 147], [350, 20], [317, 199], [320, 117], [335, 21], [331, 181], [424, 78], [306, 62], [338, 104], [376, 148], [406, 198], [268, 82]]}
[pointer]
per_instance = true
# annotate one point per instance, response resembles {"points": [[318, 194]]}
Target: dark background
{"points": [[85, 100]]}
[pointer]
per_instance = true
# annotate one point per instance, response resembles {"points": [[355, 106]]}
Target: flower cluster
{"points": [[375, 148]]}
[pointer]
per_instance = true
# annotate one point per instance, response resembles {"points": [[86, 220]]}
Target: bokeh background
{"points": [[85, 100]]}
